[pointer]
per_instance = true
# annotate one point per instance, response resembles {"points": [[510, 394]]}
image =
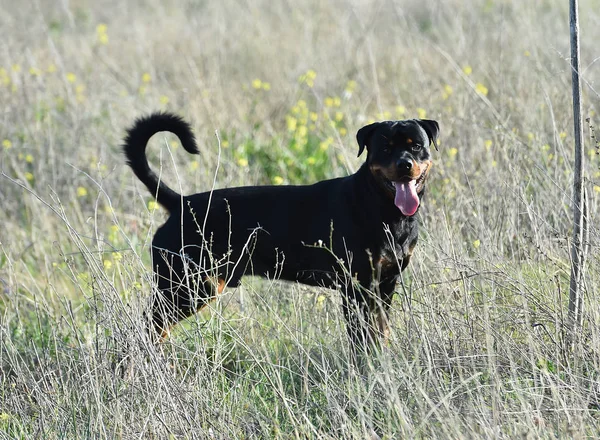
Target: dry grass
{"points": [[478, 346]]}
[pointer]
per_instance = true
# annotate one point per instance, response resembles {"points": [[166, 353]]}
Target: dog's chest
{"points": [[396, 245]]}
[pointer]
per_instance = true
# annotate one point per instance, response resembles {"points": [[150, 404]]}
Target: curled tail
{"points": [[135, 151]]}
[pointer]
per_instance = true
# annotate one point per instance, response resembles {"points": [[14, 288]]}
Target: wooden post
{"points": [[578, 245]]}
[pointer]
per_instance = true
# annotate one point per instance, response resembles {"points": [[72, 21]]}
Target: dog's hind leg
{"points": [[171, 305]]}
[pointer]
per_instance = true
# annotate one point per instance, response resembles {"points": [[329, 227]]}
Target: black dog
{"points": [[355, 233]]}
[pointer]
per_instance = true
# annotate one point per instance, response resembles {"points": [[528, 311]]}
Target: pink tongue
{"points": [[406, 198]]}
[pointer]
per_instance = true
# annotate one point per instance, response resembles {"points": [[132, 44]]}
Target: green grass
{"points": [[478, 348]]}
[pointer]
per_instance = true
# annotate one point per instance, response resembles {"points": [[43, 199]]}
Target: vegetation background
{"points": [[276, 92]]}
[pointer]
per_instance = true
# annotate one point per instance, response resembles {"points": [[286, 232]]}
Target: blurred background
{"points": [[276, 92]]}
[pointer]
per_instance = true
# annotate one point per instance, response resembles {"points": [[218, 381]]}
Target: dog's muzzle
{"points": [[406, 196]]}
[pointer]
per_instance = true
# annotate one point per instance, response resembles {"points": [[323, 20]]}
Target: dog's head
{"points": [[399, 158]]}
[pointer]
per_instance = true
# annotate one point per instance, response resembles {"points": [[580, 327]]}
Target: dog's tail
{"points": [[135, 151]]}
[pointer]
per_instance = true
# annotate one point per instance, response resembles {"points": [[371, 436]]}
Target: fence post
{"points": [[577, 245]]}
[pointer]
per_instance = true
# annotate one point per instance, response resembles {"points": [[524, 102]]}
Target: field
{"points": [[276, 92]]}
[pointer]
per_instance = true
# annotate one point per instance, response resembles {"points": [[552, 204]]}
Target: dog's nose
{"points": [[404, 166]]}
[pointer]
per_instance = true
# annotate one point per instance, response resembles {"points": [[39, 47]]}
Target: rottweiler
{"points": [[353, 233]]}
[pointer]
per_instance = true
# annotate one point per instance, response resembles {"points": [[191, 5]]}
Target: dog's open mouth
{"points": [[407, 192]]}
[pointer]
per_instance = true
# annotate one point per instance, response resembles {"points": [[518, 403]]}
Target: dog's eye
{"points": [[387, 150], [416, 147]]}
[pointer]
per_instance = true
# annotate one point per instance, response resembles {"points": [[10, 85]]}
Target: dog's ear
{"points": [[432, 128], [363, 135]]}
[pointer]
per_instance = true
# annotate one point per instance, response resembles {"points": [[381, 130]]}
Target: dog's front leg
{"points": [[385, 292], [357, 323], [366, 314]]}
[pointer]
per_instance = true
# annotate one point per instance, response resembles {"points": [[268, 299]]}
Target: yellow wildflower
{"points": [[101, 34], [81, 191], [309, 78], [291, 123], [101, 28], [4, 76], [481, 89], [324, 145], [447, 91]]}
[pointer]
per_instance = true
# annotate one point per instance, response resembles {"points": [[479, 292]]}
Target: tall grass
{"points": [[478, 344]]}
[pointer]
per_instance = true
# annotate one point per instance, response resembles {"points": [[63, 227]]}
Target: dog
{"points": [[354, 233]]}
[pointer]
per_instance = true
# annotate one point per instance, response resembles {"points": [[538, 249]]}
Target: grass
{"points": [[478, 346]]}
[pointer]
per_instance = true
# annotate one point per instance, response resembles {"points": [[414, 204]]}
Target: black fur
{"points": [[135, 151], [331, 233]]}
